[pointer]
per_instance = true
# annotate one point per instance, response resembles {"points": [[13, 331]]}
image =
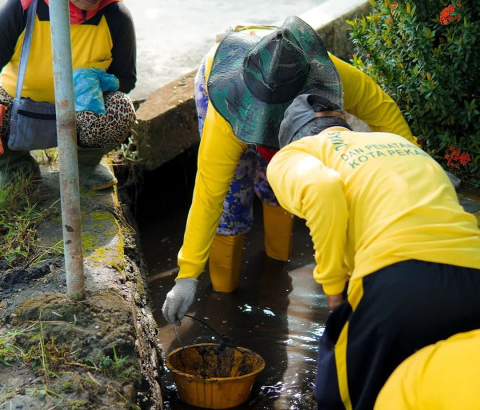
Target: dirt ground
{"points": [[96, 353], [66, 354]]}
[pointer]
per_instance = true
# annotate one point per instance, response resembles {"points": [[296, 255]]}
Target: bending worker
{"points": [[388, 229], [102, 37], [244, 112]]}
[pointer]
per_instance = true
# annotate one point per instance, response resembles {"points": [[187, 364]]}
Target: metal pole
{"points": [[67, 147]]}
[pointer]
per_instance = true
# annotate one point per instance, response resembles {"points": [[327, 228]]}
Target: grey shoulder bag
{"points": [[32, 123]]}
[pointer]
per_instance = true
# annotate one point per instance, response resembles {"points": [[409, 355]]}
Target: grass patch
{"points": [[116, 367], [10, 352], [30, 346], [62, 374], [19, 218]]}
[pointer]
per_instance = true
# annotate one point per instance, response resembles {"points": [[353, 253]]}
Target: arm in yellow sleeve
{"points": [[366, 100], [218, 156], [305, 187]]}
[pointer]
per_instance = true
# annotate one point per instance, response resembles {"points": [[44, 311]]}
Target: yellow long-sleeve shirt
{"points": [[371, 200], [220, 151], [105, 41]]}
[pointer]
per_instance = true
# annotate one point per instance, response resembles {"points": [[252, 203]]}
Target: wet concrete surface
{"points": [[278, 311], [172, 37]]}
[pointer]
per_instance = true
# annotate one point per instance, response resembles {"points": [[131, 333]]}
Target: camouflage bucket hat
{"points": [[253, 80]]}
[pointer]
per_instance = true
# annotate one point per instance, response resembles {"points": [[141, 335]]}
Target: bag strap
{"points": [[27, 40]]}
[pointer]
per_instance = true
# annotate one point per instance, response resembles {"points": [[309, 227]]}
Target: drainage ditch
{"points": [[278, 310]]}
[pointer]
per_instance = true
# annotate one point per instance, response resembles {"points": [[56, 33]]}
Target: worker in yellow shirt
{"points": [[396, 254], [442, 376], [242, 90]]}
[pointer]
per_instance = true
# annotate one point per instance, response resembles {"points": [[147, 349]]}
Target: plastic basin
{"points": [[213, 376]]}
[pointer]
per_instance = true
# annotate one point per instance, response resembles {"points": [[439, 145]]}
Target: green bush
{"points": [[426, 55]]}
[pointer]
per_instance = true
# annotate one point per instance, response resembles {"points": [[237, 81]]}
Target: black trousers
{"points": [[388, 316]]}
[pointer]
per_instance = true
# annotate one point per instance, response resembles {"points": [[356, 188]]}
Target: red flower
{"points": [[393, 6], [455, 158], [389, 20], [445, 14], [464, 158]]}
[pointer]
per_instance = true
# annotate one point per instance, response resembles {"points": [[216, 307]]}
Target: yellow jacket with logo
{"points": [[371, 200]]}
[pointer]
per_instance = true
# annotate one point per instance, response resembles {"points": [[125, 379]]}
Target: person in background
{"points": [[225, 257], [396, 254], [242, 90], [442, 376], [102, 37]]}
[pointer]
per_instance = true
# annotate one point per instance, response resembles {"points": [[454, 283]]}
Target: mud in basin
{"points": [[213, 375]]}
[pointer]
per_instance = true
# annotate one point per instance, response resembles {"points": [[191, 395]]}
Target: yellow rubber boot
{"points": [[278, 231], [225, 262]]}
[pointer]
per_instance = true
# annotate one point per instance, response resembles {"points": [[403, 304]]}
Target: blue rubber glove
{"points": [[179, 299]]}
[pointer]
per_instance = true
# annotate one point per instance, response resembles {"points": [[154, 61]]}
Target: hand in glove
{"points": [[179, 299]]}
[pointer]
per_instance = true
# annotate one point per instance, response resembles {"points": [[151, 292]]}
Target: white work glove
{"points": [[179, 299]]}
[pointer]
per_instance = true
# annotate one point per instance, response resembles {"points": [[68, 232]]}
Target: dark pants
{"points": [[404, 307]]}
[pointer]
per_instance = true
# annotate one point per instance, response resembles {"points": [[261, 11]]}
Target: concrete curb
{"points": [[167, 120]]}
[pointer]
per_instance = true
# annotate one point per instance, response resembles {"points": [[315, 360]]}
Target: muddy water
{"points": [[278, 310]]}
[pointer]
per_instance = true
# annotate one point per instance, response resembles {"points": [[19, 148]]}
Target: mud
{"points": [[16, 279], [210, 361], [77, 338]]}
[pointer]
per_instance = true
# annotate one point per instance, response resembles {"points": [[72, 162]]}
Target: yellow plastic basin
{"points": [[213, 376]]}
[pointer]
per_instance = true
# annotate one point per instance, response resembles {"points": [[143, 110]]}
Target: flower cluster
{"points": [[446, 14], [455, 159], [393, 6], [424, 54]]}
